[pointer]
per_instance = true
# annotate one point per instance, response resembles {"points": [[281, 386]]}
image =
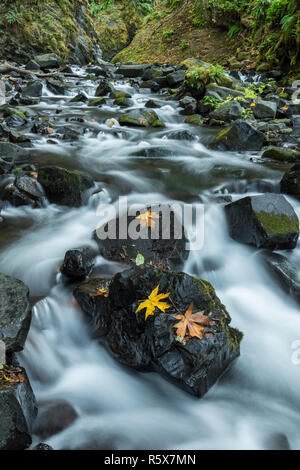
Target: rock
{"points": [[285, 272], [28, 185], [141, 118], [42, 446], [266, 221], [5, 166], [290, 183], [281, 155], [53, 418], [152, 73], [97, 102], [32, 65], [18, 411], [15, 313], [189, 105], [240, 136], [63, 186], [81, 97], [132, 71], [164, 248], [14, 152], [152, 104], [50, 61], [175, 79], [151, 345], [19, 198], [181, 135], [33, 89], [123, 102], [264, 109], [104, 88], [151, 84], [296, 126], [222, 91], [230, 111], [56, 86], [78, 263], [195, 119]]}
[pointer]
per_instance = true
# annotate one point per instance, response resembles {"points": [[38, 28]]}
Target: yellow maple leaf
{"points": [[101, 292], [189, 321], [153, 301], [147, 219]]}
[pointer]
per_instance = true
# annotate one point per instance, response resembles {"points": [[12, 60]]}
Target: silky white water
{"points": [[256, 404]]}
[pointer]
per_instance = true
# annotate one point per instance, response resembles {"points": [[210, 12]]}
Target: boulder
{"points": [[140, 118], [64, 186], [79, 98], [33, 89], [281, 155], [56, 86], [14, 152], [181, 135], [17, 410], [78, 263], [104, 88], [132, 71], [230, 111], [175, 79], [290, 183], [192, 363], [32, 65], [189, 105], [53, 417], [147, 234], [264, 109], [266, 221], [48, 61], [240, 136], [15, 313], [152, 104], [284, 271]]}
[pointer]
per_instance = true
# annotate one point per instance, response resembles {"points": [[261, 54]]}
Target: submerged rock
{"points": [[64, 186], [159, 237], [240, 136], [78, 263], [290, 183], [15, 313], [266, 221], [17, 410], [193, 364], [54, 417]]}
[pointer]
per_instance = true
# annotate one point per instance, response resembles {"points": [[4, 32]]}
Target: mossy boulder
{"points": [[48, 61], [229, 111], [266, 221], [195, 119], [281, 155], [240, 136], [97, 102], [141, 118], [290, 183], [151, 344], [64, 186]]}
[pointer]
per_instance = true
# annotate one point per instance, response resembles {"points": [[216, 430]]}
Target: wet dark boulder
{"points": [[230, 111], [104, 88], [266, 221], [64, 186], [132, 71], [24, 191], [17, 410], [48, 61], [33, 89], [156, 234], [264, 109], [290, 183], [181, 135], [32, 65], [284, 271], [53, 417], [189, 105], [192, 363], [14, 152], [15, 313], [78, 263], [175, 79], [152, 104], [56, 86], [240, 136], [80, 98]]}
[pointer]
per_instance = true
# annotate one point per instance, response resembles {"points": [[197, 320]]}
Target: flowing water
{"points": [[256, 404]]}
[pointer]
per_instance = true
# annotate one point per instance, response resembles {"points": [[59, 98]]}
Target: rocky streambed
{"points": [[107, 320]]}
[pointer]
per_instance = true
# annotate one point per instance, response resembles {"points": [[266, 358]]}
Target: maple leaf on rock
{"points": [[153, 301], [147, 219], [101, 292], [190, 321]]}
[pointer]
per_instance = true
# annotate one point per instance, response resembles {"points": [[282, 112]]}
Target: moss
{"points": [[278, 224], [194, 119], [14, 112], [281, 155], [97, 102]]}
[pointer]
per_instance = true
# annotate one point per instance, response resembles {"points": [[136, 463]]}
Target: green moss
{"points": [[278, 224], [97, 102], [194, 119], [281, 155]]}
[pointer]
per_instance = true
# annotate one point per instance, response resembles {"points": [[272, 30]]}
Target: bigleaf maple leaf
{"points": [[147, 219], [153, 301], [190, 322]]}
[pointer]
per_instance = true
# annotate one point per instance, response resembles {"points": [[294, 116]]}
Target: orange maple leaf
{"points": [[147, 219], [189, 321]]}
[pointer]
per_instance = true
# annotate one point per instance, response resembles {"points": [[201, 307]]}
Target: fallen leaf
{"points": [[189, 322], [103, 292], [153, 301], [147, 219]]}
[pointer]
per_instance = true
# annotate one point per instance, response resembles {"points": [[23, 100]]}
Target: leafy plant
{"points": [[233, 31]]}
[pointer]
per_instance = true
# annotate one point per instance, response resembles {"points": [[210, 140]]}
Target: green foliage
{"points": [[233, 30]]}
